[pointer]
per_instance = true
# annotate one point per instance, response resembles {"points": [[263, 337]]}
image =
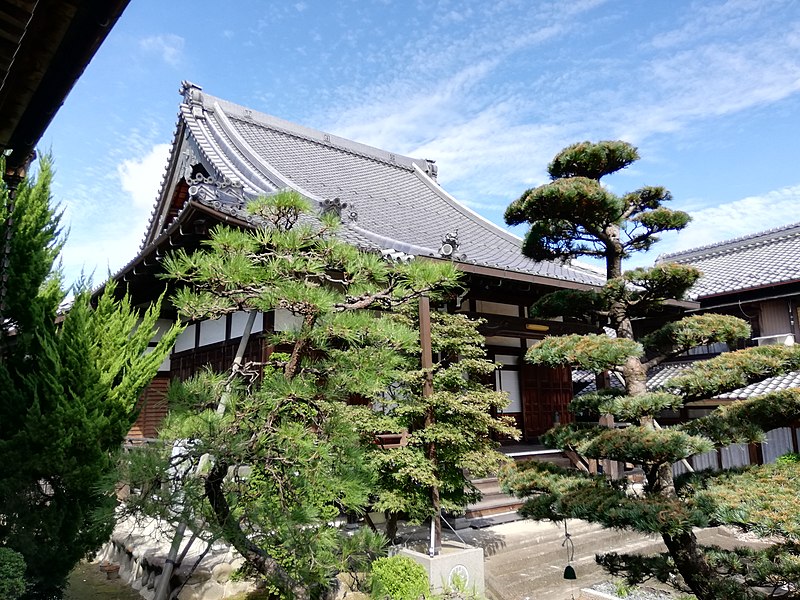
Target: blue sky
{"points": [[709, 91]]}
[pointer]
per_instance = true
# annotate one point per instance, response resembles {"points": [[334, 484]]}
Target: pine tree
{"points": [[457, 418], [69, 389], [283, 457], [575, 215]]}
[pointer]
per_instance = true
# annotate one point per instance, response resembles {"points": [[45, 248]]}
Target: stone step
{"points": [[494, 501]]}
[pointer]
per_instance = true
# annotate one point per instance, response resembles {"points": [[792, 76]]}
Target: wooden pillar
{"points": [[430, 417], [12, 177]]}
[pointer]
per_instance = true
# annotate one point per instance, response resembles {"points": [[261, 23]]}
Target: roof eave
{"points": [[59, 42]]}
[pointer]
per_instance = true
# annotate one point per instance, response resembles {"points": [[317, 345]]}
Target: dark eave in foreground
{"points": [[45, 45]]}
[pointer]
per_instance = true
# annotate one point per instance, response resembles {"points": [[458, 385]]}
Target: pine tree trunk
{"points": [[254, 555], [391, 526], [704, 582]]}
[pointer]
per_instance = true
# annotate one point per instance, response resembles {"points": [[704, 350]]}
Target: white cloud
{"points": [[738, 218], [709, 82], [109, 248], [168, 46], [141, 177]]}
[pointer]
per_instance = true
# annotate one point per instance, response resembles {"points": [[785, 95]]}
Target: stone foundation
{"points": [[140, 550]]}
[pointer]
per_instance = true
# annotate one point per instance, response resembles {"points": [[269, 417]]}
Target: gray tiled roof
{"points": [[391, 200], [585, 382], [773, 384], [766, 258], [658, 377], [660, 374]]}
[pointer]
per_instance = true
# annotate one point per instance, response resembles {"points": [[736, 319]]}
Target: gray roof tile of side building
{"points": [[772, 384], [767, 258], [658, 378], [390, 199]]}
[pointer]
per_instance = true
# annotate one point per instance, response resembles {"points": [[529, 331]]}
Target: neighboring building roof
{"points": [[385, 200], [762, 259], [773, 384], [660, 374], [585, 382], [658, 378]]}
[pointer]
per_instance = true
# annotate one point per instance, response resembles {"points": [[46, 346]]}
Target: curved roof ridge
{"points": [[317, 136], [466, 210], [390, 243], [241, 145], [761, 237]]}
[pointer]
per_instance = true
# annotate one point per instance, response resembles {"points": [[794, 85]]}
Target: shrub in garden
{"points": [[398, 578], [12, 574]]}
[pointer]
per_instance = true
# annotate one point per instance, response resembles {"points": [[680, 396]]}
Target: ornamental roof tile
{"points": [[767, 258], [391, 200]]}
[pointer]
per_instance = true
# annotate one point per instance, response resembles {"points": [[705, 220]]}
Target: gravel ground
{"points": [[87, 582], [638, 593]]}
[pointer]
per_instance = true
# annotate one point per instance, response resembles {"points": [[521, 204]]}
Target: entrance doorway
{"points": [[546, 392]]}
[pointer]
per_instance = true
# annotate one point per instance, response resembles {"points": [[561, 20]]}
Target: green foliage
{"points": [[773, 568], [289, 453], [460, 408], [398, 578], [35, 242], [696, 330], [643, 290], [762, 499], [592, 352], [638, 569], [627, 408], [594, 161], [732, 370], [555, 493], [622, 588], [357, 553], [69, 395], [569, 303], [644, 445], [574, 215], [746, 420], [555, 233], [12, 574], [788, 458]]}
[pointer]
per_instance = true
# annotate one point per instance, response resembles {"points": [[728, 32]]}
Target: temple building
{"points": [[224, 154]]}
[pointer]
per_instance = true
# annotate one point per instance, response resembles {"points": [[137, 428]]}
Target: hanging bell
{"points": [[569, 573]]}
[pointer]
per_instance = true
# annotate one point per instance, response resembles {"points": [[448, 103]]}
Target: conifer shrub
{"points": [[12, 574], [398, 578]]}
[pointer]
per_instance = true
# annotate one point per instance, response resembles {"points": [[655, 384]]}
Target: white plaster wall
{"points": [[162, 326], [507, 359], [497, 340], [508, 381], [185, 340], [239, 320], [165, 364], [212, 331], [286, 321]]}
